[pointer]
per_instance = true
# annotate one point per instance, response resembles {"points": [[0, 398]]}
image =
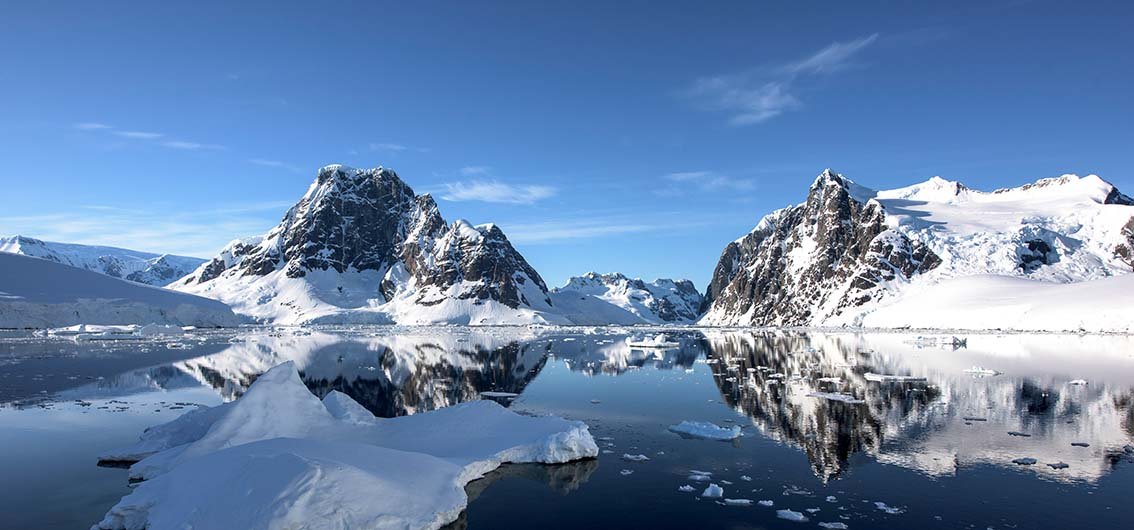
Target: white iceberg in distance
{"points": [[280, 457]]}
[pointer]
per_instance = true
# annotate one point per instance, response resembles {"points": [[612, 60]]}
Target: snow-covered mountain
{"points": [[585, 300], [38, 293], [848, 250], [141, 267], [361, 247]]}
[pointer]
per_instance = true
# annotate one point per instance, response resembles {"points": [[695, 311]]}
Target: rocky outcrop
{"points": [[805, 263]]}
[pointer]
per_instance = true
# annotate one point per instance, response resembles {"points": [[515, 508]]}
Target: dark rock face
{"points": [[805, 263], [1036, 253], [1125, 250], [354, 220]]}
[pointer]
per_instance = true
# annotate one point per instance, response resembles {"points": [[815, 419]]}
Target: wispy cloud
{"points": [[275, 164], [139, 135], [191, 146], [710, 180], [395, 147], [553, 231], [472, 171], [91, 126], [146, 136], [759, 95], [494, 191]]}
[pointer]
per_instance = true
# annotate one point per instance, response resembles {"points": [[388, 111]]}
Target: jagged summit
{"points": [[361, 246]]}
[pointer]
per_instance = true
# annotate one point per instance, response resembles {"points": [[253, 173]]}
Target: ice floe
{"points": [[791, 515], [280, 457], [835, 396], [713, 491], [705, 430]]}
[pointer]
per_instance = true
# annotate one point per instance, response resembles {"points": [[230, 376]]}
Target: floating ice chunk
{"points": [[889, 378], [1078, 382], [1059, 465], [1019, 434], [766, 503], [1080, 444], [974, 418], [892, 510], [834, 526], [278, 457], [635, 458], [705, 430], [746, 478], [737, 502], [343, 408], [686, 489], [791, 515], [626, 472], [831, 498], [1026, 461], [713, 491], [835, 396], [981, 371], [500, 395]]}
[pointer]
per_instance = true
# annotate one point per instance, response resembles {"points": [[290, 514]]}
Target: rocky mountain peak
{"points": [[382, 244]]}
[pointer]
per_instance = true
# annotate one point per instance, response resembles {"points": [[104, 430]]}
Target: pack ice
{"points": [[278, 457]]}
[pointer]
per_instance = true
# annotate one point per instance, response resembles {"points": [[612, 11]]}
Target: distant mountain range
{"points": [[362, 247], [141, 267]]}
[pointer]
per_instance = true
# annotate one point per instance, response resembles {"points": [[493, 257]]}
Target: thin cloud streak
{"points": [[274, 164], [757, 96], [496, 192]]}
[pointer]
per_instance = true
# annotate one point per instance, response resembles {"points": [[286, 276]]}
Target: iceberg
{"points": [[280, 457]]}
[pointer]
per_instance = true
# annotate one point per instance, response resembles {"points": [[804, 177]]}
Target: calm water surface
{"points": [[934, 447]]}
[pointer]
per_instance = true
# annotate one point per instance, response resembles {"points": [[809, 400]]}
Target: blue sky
{"points": [[613, 136]]}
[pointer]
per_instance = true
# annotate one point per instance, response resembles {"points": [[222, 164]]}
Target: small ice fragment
{"points": [[606, 438], [791, 515], [686, 489], [981, 371], [626, 472], [1020, 434], [766, 503], [726, 483], [635, 458], [713, 491], [1078, 382], [892, 510], [812, 510], [834, 526], [595, 402], [699, 478], [705, 430], [1080, 444], [607, 451], [746, 478], [737, 502], [974, 418], [1058, 465]]}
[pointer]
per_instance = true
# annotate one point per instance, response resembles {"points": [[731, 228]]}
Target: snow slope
{"points": [[37, 293], [584, 300], [141, 267], [1009, 303], [279, 458]]}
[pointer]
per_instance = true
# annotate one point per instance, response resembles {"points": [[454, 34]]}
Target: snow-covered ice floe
{"points": [[657, 341], [278, 457], [705, 430]]}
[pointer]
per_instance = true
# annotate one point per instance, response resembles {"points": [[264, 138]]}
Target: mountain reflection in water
{"points": [[939, 420]]}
